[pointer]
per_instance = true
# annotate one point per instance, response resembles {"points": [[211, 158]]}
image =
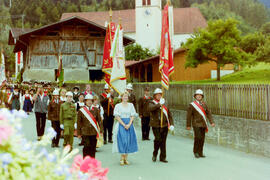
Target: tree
{"points": [[252, 41], [265, 29], [219, 43], [137, 52]]}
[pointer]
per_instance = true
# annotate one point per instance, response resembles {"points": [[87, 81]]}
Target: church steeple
{"points": [[148, 23]]}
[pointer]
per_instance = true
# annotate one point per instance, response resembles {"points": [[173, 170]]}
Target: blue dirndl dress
{"points": [[125, 141], [27, 105]]}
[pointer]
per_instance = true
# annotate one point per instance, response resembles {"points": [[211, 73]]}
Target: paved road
{"points": [[221, 163]]}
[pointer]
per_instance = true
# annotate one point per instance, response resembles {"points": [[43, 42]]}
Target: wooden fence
{"points": [[246, 101]]}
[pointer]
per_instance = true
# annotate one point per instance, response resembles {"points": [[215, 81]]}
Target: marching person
{"points": [[15, 99], [68, 119], [3, 97], [41, 108], [145, 113], [88, 90], [79, 105], [27, 102], [76, 94], [160, 123], [125, 140], [63, 97], [98, 106], [106, 100], [32, 93], [131, 97], [89, 126], [53, 116], [197, 115]]}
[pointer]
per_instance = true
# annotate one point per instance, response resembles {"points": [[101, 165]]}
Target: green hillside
{"points": [[259, 74]]}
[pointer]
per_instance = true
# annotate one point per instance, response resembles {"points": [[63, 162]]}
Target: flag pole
{"points": [[110, 14], [163, 89]]}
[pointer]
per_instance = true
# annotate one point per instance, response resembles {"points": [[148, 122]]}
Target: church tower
{"points": [[148, 23]]}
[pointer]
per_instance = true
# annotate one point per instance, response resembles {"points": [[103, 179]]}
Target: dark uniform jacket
{"points": [[104, 103], [155, 115], [84, 127], [144, 106], [54, 111], [196, 119], [132, 99]]}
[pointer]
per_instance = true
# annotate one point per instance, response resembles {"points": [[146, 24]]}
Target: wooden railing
{"points": [[246, 101]]}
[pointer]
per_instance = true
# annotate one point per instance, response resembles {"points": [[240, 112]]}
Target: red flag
{"points": [[107, 60], [166, 67], [19, 57]]}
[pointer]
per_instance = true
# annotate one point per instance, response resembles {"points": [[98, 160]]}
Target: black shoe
{"points": [[105, 142], [53, 145], [154, 158], [57, 146], [110, 141], [164, 161], [148, 139], [202, 155], [196, 155]]}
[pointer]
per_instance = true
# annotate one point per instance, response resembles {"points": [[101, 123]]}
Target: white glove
{"points": [[108, 95], [162, 101], [171, 128], [75, 125], [62, 126]]}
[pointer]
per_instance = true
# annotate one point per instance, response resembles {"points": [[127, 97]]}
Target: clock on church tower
{"points": [[148, 23]]}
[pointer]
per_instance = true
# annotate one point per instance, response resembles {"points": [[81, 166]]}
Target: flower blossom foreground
{"points": [[26, 160]]}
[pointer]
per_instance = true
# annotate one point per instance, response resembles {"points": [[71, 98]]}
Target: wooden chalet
{"points": [[79, 41]]}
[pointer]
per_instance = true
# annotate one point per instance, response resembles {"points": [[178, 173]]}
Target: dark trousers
{"points": [[56, 127], [145, 127], [89, 148], [108, 126], [40, 123], [160, 142], [199, 136]]}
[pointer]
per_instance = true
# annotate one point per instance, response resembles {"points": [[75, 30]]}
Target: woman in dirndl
{"points": [[125, 140]]}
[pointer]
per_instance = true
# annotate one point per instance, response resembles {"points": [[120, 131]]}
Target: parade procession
{"points": [[80, 103]]}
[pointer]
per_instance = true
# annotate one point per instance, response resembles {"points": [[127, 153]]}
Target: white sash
{"points": [[198, 109], [165, 111], [90, 119]]}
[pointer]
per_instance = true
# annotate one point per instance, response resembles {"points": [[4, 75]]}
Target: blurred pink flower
{"points": [[5, 132], [90, 166]]}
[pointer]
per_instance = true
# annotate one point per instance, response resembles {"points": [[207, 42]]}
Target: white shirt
{"points": [[124, 111], [64, 99]]}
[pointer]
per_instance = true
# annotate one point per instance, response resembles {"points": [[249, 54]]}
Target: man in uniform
{"points": [[160, 123], [89, 126], [106, 101], [197, 115], [131, 97], [68, 119], [53, 115], [144, 113]]}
